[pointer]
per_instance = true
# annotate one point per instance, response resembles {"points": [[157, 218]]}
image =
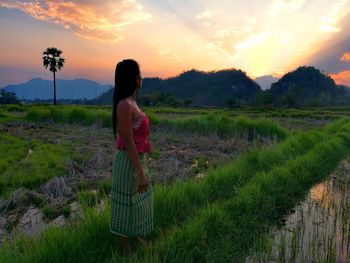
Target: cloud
{"points": [[204, 14], [345, 57], [169, 55], [330, 20], [101, 20], [342, 78], [262, 36], [225, 37], [329, 54], [286, 5]]}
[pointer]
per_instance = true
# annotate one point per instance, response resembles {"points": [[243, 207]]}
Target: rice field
{"points": [[230, 185], [317, 229]]}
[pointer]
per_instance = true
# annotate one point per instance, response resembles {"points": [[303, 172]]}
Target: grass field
{"points": [[238, 173]]}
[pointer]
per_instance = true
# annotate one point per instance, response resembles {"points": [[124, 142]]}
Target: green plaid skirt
{"points": [[131, 212]]}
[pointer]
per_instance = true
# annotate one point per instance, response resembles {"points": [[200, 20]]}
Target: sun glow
{"points": [[167, 37]]}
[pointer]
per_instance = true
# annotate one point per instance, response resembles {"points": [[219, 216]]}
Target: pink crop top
{"points": [[141, 133]]}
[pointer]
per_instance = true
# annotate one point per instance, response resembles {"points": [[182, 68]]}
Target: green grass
{"points": [[181, 111], [87, 198], [193, 219], [325, 113], [225, 126], [218, 217], [14, 108], [28, 164], [12, 149], [63, 114], [87, 115], [155, 154], [203, 121], [225, 231], [51, 213], [216, 121], [184, 198], [104, 187], [91, 231]]}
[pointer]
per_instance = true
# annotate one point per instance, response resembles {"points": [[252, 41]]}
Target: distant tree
{"points": [[187, 102], [231, 103], [290, 99], [51, 58], [158, 98], [171, 101], [8, 97], [263, 98]]}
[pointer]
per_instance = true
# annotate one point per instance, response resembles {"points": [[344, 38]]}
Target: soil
{"points": [[301, 124]]}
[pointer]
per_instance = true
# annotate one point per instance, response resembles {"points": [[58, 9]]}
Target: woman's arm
{"points": [[124, 115]]}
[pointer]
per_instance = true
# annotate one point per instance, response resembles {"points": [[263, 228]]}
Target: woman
{"points": [[131, 196]]}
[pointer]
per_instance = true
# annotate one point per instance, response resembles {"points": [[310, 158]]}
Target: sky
{"points": [[167, 37]]}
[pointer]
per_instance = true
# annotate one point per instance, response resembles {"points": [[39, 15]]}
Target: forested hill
{"points": [[308, 86], [215, 88]]}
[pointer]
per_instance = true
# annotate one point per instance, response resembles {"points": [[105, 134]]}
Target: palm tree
{"points": [[51, 58]]}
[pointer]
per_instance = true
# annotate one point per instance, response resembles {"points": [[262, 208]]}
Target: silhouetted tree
{"points": [[231, 103], [187, 102], [51, 58], [8, 97], [263, 98]]}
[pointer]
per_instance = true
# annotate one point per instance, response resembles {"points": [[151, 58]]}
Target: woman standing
{"points": [[131, 195]]}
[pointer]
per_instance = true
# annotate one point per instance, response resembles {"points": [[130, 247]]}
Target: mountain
{"points": [[65, 89], [346, 88], [308, 86], [213, 88], [265, 81]]}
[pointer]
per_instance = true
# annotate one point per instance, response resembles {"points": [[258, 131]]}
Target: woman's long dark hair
{"points": [[126, 73]]}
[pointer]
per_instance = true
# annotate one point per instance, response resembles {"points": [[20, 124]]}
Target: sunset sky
{"points": [[170, 36]]}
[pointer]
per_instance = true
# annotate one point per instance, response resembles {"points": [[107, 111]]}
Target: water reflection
{"points": [[319, 229]]}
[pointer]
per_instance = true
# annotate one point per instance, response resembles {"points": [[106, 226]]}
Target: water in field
{"points": [[319, 228]]}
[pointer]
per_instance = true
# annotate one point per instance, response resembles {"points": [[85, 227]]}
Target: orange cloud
{"points": [[345, 57], [101, 20], [342, 78]]}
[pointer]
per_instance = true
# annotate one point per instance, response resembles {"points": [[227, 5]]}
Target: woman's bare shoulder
{"points": [[124, 105]]}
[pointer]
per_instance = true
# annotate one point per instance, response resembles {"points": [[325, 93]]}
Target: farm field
{"points": [[230, 185]]}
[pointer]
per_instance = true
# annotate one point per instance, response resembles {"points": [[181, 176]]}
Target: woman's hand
{"points": [[142, 183]]}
